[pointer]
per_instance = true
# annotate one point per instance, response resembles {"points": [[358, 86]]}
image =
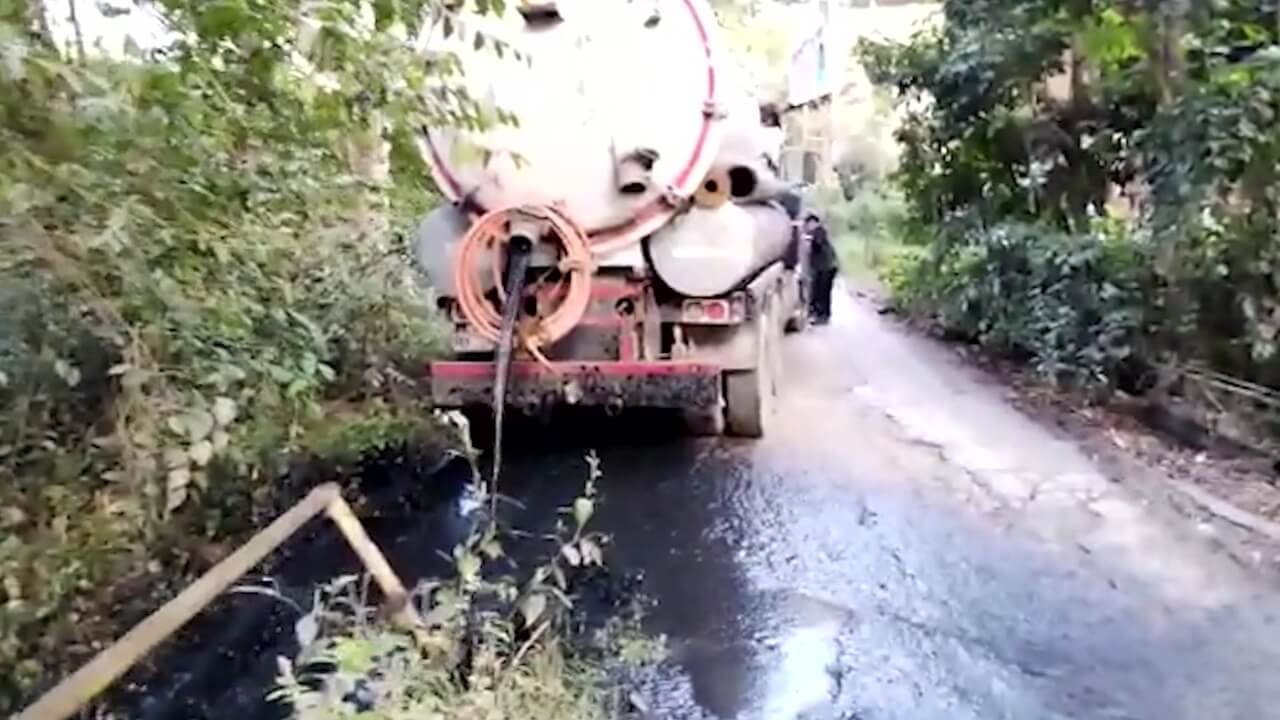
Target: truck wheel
{"points": [[748, 394], [704, 423], [746, 403], [799, 320]]}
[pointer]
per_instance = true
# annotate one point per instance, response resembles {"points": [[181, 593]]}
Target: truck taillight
{"points": [[713, 312]]}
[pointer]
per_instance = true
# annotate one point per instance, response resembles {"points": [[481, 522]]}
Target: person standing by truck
{"points": [[823, 266], [790, 202]]}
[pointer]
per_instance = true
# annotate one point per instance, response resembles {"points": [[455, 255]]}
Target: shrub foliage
{"points": [[200, 268], [1094, 184]]}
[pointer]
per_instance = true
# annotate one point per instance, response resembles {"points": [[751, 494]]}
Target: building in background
{"points": [[815, 71], [829, 98]]}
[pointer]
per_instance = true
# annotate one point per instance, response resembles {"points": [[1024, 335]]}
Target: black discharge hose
{"points": [[519, 252]]}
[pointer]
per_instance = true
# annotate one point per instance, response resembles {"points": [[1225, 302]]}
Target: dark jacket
{"points": [[790, 203], [822, 256]]}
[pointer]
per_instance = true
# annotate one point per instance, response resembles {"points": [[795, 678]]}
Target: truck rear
{"points": [[628, 243]]}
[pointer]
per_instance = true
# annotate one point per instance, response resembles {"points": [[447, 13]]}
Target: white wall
{"points": [[847, 26], [850, 121]]}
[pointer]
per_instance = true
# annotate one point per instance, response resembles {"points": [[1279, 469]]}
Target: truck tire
{"points": [[707, 423], [746, 403], [749, 394], [799, 320]]}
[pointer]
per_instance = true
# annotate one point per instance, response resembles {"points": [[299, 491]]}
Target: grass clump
{"points": [[494, 644]]}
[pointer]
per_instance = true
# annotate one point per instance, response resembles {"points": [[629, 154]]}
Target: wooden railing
{"points": [[76, 691]]}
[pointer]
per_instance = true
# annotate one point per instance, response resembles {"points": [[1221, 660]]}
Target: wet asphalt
{"points": [[905, 545]]}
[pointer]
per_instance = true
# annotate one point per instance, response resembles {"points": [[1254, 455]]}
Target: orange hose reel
{"points": [[492, 233]]}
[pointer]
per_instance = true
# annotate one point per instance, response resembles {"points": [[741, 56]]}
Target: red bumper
{"points": [[666, 384]]}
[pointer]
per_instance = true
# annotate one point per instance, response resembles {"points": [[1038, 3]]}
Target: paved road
{"points": [[905, 545]]}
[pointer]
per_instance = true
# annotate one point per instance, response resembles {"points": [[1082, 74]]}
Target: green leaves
{"points": [[222, 19], [196, 424], [1041, 112], [485, 6], [176, 484], [591, 552], [532, 608], [468, 565], [201, 453], [183, 294], [224, 411], [69, 373], [1112, 40], [583, 509], [1071, 305]]}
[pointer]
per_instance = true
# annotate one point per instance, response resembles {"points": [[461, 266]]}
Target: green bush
{"points": [[867, 230], [198, 284], [1071, 304], [905, 274], [1027, 119]]}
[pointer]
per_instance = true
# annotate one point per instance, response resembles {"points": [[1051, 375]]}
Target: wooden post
{"points": [[73, 693], [374, 561]]}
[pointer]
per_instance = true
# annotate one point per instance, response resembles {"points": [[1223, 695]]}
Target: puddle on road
{"points": [[804, 672], [783, 665]]}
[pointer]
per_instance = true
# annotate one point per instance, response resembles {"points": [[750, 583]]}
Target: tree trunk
{"points": [[1170, 54], [368, 155], [1169, 73], [74, 18]]}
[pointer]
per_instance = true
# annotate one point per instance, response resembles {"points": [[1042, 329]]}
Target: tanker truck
{"points": [[627, 241]]}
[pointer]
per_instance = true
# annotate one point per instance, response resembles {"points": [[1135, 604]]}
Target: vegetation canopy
{"points": [[203, 276], [1092, 184]]}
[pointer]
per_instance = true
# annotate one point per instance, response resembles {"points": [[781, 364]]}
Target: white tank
{"points": [[436, 244], [601, 89], [707, 252]]}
